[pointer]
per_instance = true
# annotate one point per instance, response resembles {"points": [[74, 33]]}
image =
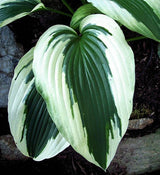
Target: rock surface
{"points": [[138, 155], [136, 124], [134, 156], [10, 52], [8, 149]]}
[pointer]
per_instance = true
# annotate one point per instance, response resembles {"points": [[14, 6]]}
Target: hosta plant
{"points": [[76, 86]]}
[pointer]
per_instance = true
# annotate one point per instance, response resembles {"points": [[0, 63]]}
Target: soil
{"points": [[147, 91], [146, 98]]}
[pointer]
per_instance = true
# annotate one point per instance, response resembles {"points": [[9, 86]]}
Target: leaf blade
{"points": [[78, 72], [81, 13], [13, 10], [31, 126], [140, 16]]}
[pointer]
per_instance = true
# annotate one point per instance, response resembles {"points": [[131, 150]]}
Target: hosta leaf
{"points": [[87, 81], [11, 10], [142, 16], [33, 130], [81, 13]]}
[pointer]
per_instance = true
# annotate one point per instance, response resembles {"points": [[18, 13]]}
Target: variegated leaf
{"points": [[87, 81], [11, 10], [142, 16], [33, 130]]}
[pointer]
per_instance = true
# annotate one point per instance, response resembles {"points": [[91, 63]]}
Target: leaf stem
{"points": [[68, 6], [83, 1], [57, 11], [136, 38]]}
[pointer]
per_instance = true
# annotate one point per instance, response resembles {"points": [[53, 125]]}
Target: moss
{"points": [[141, 112]]}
